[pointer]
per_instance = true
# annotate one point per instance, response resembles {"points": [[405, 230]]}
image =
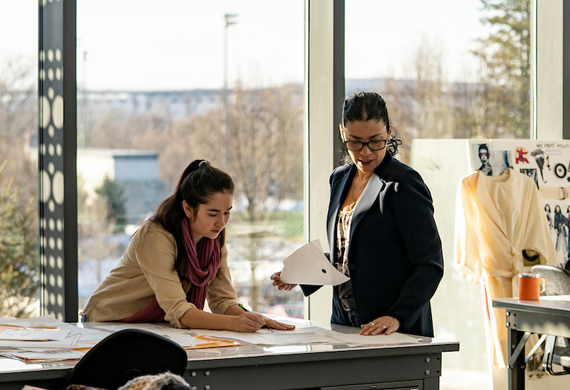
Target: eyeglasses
{"points": [[375, 145]]}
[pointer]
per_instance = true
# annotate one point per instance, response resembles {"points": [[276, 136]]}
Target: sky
{"points": [[179, 44]]}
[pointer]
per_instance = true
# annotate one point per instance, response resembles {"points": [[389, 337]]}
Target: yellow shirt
{"points": [[146, 272], [497, 217]]}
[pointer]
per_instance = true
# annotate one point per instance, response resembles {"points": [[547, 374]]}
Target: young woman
{"points": [[176, 260]]}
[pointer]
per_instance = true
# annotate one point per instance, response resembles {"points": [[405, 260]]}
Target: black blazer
{"points": [[395, 255]]}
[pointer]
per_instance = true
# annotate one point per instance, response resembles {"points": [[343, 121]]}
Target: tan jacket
{"points": [[496, 218], [145, 272]]}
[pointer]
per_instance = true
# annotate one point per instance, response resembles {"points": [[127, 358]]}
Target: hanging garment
{"points": [[497, 217]]}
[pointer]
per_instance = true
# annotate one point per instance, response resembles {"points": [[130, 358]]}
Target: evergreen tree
{"points": [[505, 75], [112, 193], [19, 254]]}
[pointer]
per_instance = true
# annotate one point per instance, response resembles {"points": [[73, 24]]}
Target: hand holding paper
{"points": [[309, 265]]}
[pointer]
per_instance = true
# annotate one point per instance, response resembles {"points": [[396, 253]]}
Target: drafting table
{"points": [[548, 316], [318, 366]]}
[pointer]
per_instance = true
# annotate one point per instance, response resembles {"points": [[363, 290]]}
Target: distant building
{"points": [[119, 165], [175, 105], [134, 171]]}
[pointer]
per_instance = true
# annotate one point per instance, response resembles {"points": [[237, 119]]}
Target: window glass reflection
{"points": [[449, 71], [163, 85], [19, 223]]}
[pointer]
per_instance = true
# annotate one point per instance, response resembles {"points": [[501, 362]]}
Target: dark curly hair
{"points": [[364, 106]]}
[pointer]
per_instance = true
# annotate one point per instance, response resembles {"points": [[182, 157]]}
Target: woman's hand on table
{"points": [[281, 286], [247, 322], [380, 325], [272, 324]]}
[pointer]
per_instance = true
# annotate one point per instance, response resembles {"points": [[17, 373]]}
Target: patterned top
{"points": [[343, 234]]}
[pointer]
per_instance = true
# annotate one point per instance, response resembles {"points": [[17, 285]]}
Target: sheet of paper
{"points": [[212, 342], [40, 356], [393, 338], [252, 338], [69, 342], [302, 336], [161, 329], [184, 340], [184, 337], [563, 298], [309, 265], [157, 328], [87, 337], [78, 337], [34, 334], [280, 338]]}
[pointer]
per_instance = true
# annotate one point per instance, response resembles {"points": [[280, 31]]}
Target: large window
{"points": [[448, 70], [19, 264], [163, 84]]}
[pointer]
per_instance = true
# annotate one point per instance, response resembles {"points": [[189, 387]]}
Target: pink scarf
{"points": [[202, 263], [201, 266]]}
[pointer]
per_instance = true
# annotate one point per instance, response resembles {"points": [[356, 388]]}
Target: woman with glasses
{"points": [[381, 230], [177, 259]]}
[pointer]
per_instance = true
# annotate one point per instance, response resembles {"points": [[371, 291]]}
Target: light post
{"points": [[229, 19], [86, 57]]}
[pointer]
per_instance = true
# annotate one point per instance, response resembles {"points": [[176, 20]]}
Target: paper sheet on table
{"points": [[32, 334], [77, 337], [355, 338], [162, 329], [184, 337], [205, 341], [39, 356], [69, 342], [309, 265], [187, 338], [300, 336], [88, 337], [563, 298]]}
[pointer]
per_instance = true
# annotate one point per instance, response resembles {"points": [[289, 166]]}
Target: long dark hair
{"points": [[364, 106], [197, 184]]}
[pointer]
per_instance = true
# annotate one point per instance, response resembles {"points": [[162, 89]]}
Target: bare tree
{"points": [[431, 111], [18, 99], [264, 156], [175, 142], [108, 129], [96, 241], [18, 123], [19, 267], [505, 69], [420, 106], [263, 144]]}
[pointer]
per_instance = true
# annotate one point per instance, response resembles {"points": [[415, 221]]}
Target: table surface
{"points": [[550, 315], [248, 354], [559, 305]]}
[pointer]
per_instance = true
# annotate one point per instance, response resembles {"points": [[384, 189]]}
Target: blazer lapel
{"points": [[369, 195]]}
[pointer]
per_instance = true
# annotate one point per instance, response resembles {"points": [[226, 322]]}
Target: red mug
{"points": [[529, 287]]}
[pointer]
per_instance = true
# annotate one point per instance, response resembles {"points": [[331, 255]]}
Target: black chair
{"points": [[557, 349], [125, 355]]}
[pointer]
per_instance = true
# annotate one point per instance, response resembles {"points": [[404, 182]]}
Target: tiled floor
{"points": [[453, 379]]}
